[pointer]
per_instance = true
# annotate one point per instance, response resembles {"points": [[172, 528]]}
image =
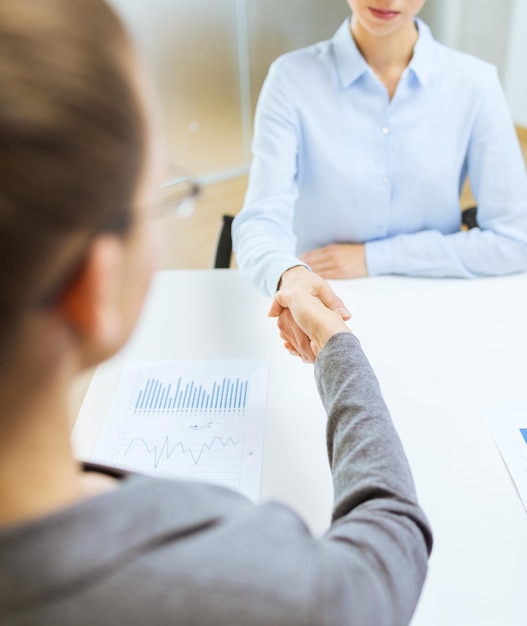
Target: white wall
{"points": [[516, 64], [479, 27], [485, 28], [444, 18], [493, 30]]}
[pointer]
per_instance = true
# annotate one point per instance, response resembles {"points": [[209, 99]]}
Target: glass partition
{"points": [[208, 60]]}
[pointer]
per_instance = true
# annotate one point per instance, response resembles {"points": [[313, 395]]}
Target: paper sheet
{"points": [[198, 420], [509, 429]]}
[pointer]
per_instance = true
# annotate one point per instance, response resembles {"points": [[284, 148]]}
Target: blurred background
{"points": [[208, 59]]}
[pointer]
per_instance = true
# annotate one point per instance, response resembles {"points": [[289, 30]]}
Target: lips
{"points": [[384, 14]]}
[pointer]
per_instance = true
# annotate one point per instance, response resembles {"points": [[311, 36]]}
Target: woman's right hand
{"points": [[309, 312]]}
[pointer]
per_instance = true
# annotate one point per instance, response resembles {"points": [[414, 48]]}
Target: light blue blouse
{"points": [[334, 160]]}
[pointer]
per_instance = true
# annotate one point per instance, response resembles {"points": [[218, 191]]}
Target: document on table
{"points": [[194, 419], [509, 429]]}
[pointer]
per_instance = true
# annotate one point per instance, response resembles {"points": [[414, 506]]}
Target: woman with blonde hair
{"points": [[84, 544]]}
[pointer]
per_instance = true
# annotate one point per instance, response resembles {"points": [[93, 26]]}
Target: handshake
{"points": [[309, 313]]}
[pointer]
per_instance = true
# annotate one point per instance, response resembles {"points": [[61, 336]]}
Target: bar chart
{"points": [[190, 396], [508, 425]]}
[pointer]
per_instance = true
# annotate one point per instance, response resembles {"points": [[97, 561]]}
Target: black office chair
{"points": [[223, 255], [468, 217]]}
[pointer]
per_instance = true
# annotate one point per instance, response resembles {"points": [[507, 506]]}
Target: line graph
{"points": [[167, 450], [183, 454]]}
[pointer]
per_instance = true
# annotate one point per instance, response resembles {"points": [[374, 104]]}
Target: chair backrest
{"points": [[222, 258], [468, 217]]}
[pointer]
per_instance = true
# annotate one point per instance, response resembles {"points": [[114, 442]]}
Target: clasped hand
{"points": [[338, 260], [308, 311]]}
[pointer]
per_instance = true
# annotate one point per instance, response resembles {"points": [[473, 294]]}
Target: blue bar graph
{"points": [[191, 396]]}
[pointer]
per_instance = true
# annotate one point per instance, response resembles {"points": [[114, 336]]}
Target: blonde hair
{"points": [[71, 141]]}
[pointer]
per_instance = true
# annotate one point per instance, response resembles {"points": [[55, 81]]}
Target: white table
{"points": [[440, 348]]}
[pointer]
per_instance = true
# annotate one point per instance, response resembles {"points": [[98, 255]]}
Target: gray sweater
{"points": [[156, 552]]}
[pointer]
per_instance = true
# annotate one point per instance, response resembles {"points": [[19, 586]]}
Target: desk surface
{"points": [[440, 348]]}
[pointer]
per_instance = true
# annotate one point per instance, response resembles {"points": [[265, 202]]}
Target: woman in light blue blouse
{"points": [[362, 145]]}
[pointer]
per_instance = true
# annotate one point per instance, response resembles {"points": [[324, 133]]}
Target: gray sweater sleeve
{"points": [[376, 517]]}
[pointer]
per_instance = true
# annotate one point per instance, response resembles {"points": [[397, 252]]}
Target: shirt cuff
{"points": [[279, 266], [379, 259]]}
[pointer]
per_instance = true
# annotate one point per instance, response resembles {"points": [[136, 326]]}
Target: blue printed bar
{"points": [[222, 394]]}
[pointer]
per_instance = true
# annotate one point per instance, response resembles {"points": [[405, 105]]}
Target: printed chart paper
{"points": [[509, 429], [195, 419]]}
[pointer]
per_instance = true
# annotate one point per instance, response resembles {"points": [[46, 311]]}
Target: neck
{"points": [[38, 472], [387, 55]]}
